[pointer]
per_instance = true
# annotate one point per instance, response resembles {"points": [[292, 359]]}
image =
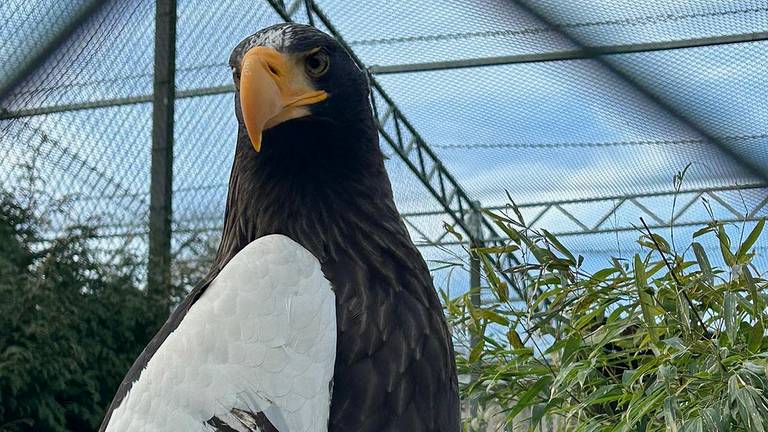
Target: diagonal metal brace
{"points": [[419, 158]]}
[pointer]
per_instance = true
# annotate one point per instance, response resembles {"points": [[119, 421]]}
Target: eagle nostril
{"points": [[273, 70]]}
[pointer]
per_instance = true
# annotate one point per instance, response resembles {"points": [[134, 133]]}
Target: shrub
{"points": [[664, 341], [71, 326]]}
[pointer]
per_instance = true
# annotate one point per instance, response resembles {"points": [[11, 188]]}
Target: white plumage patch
{"points": [[276, 37], [262, 337]]}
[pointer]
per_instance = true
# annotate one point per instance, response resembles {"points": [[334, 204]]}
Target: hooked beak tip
{"points": [[256, 141]]}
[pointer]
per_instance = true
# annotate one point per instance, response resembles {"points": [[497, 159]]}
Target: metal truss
{"points": [[107, 103], [632, 202], [573, 54], [395, 129], [560, 209]]}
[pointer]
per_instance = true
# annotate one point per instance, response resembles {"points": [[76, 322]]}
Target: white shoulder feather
{"points": [[261, 338]]}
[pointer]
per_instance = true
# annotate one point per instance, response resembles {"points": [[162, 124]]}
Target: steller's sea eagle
{"points": [[319, 314]]}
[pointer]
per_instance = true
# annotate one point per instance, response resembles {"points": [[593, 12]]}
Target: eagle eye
{"points": [[317, 63]]}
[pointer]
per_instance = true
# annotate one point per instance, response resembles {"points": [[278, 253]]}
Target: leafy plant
{"points": [[70, 326], [664, 341]]}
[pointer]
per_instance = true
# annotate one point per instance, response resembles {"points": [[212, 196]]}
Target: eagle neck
{"points": [[333, 198]]}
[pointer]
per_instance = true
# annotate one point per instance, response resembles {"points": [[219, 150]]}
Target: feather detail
{"points": [[256, 351]]}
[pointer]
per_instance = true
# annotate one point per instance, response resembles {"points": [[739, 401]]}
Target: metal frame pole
{"points": [[161, 186], [571, 54], [475, 223]]}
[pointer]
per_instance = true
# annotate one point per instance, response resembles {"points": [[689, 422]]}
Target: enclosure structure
{"points": [[582, 112]]}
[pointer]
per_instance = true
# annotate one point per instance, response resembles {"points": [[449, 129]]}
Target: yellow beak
{"points": [[273, 89]]}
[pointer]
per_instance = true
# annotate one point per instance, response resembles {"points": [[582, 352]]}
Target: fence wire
{"points": [[482, 82]]}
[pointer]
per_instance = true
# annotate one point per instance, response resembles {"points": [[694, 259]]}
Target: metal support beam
{"points": [[474, 288], [564, 234], [741, 187], [574, 54], [749, 165], [556, 209], [56, 42], [397, 131], [106, 103], [161, 186], [554, 56]]}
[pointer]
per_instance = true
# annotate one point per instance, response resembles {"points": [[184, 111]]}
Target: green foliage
{"points": [[663, 341], [70, 326]]}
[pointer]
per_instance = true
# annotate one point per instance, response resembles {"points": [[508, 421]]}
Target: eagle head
{"points": [[294, 79]]}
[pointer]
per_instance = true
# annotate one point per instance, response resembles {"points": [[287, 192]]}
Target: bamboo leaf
{"points": [[729, 315], [539, 411], [471, 308], [509, 231], [502, 292], [712, 419], [646, 301], [683, 311], [559, 246], [756, 337], [646, 405], [515, 208], [654, 242], [514, 339], [451, 230], [702, 231], [524, 400], [694, 425], [755, 299], [606, 393], [748, 411], [497, 249], [493, 316], [670, 413], [543, 256], [545, 295], [649, 272], [725, 246], [618, 346], [751, 239], [704, 265], [477, 351], [601, 275]]}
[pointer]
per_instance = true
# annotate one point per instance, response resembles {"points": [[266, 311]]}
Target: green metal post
{"points": [[161, 183]]}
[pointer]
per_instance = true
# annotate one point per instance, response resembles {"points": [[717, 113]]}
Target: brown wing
{"points": [[395, 368]]}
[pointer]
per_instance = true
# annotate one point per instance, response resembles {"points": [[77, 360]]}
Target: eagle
{"points": [[319, 313]]}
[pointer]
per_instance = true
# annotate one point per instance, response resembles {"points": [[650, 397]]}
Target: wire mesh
{"points": [[92, 159], [423, 31], [555, 131], [629, 22]]}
